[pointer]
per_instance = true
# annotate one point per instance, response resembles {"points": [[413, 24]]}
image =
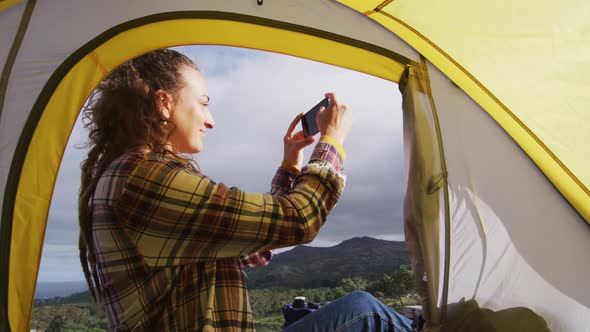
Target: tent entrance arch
{"points": [[43, 140]]}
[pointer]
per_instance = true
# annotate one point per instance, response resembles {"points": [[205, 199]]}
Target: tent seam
{"points": [[379, 7], [280, 25], [16, 43], [95, 57]]}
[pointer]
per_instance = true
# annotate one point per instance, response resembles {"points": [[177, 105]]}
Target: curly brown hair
{"points": [[123, 115]]}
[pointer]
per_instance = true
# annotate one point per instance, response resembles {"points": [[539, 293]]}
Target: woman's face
{"points": [[190, 113]]}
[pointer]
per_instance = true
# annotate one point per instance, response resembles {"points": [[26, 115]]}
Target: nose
{"points": [[209, 122]]}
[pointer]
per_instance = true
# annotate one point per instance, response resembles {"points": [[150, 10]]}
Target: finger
{"points": [[317, 116], [305, 142], [332, 97], [294, 124], [298, 135]]}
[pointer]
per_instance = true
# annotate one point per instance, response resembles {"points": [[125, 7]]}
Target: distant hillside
{"points": [[312, 267], [52, 289]]}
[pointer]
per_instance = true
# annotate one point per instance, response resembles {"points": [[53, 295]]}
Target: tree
{"points": [[56, 324], [397, 284], [351, 284]]}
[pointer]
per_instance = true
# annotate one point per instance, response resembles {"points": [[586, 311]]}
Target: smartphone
{"points": [[308, 122]]}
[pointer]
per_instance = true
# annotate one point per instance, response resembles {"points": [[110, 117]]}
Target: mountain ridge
{"points": [[311, 267]]}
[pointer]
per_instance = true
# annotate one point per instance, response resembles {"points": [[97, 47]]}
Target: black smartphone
{"points": [[308, 122]]}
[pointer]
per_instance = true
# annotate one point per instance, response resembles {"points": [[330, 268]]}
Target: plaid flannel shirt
{"points": [[171, 243]]}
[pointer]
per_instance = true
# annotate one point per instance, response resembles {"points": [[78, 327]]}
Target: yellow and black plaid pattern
{"points": [[169, 240]]}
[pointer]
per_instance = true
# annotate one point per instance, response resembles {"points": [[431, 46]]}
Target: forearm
{"points": [[283, 181], [327, 149]]}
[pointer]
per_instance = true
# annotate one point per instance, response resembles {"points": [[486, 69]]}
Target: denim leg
{"points": [[357, 311]]}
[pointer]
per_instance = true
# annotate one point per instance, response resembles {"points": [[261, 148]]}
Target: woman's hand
{"points": [[335, 121], [294, 144]]}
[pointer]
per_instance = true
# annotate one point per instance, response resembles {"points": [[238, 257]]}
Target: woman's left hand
{"points": [[294, 144]]}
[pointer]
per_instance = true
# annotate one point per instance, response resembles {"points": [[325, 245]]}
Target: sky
{"points": [[254, 96]]}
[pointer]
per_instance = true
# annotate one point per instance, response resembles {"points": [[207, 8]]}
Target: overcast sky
{"points": [[254, 96]]}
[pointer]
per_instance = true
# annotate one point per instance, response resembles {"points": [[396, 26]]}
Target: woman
{"points": [[161, 245]]}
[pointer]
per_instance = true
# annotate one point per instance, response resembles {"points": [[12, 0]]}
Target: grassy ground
{"points": [[270, 323], [84, 317]]}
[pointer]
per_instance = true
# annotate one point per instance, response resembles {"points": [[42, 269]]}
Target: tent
{"points": [[496, 126]]}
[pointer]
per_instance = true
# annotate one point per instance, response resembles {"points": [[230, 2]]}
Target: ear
{"points": [[165, 103]]}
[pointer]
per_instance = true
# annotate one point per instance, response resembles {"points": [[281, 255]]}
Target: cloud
{"points": [[60, 250], [60, 262], [254, 97]]}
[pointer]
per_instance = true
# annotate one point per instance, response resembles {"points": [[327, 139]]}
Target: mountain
{"points": [[52, 289], [312, 267]]}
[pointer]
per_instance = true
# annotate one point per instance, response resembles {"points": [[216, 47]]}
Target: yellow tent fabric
{"points": [[5, 4], [526, 63]]}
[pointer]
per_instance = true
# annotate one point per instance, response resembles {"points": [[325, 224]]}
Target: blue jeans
{"points": [[357, 311]]}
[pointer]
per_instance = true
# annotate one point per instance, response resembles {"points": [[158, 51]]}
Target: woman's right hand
{"points": [[336, 120]]}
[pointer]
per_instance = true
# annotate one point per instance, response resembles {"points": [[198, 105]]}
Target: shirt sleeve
{"points": [[280, 185], [283, 179], [175, 215], [256, 259]]}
